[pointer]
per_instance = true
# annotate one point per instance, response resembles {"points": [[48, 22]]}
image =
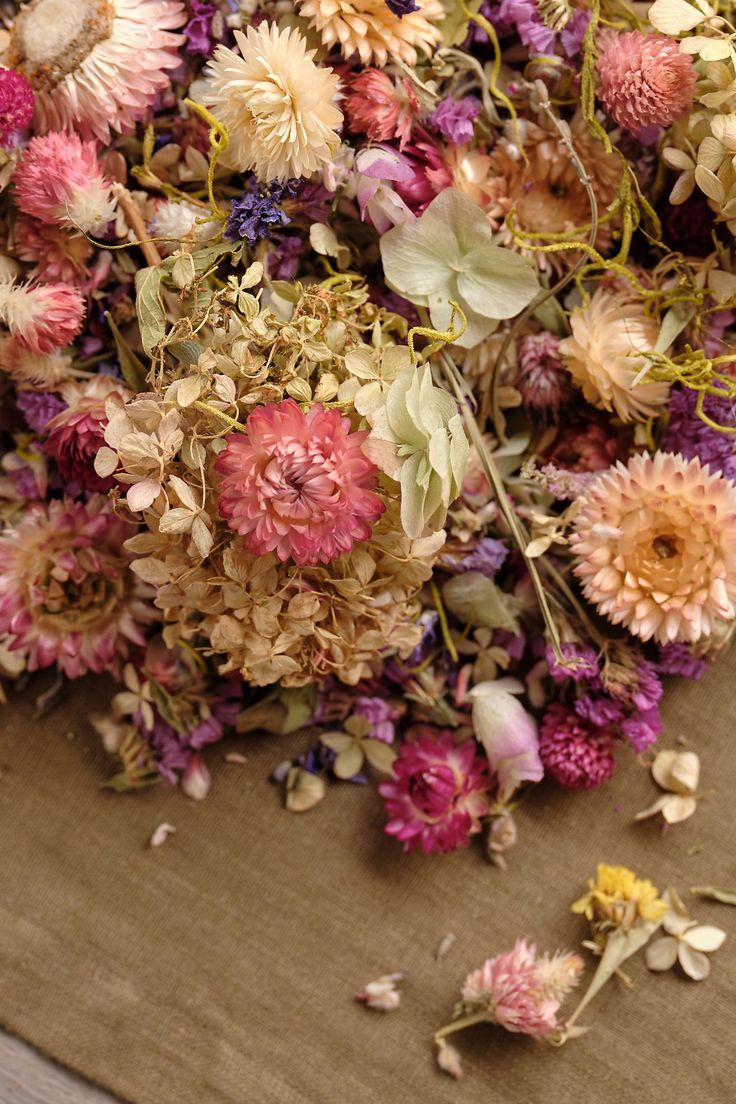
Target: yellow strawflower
{"points": [[618, 896]]}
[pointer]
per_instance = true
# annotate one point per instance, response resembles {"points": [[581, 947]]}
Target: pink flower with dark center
{"points": [[67, 594], [78, 433], [16, 104], [60, 181], [644, 80], [42, 317], [298, 484], [438, 794], [381, 109], [576, 754]]}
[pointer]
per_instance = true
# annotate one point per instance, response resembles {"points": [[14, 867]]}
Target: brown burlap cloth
{"points": [[220, 968]]}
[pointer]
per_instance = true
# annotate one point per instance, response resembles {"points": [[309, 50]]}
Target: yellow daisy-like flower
{"points": [[618, 896]]}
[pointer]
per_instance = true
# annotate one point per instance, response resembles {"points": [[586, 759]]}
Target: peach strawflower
{"points": [[67, 594], [298, 484], [655, 542], [43, 317], [645, 81], [33, 371], [610, 334], [380, 108], [277, 104], [60, 181], [57, 255], [95, 65], [371, 30]]}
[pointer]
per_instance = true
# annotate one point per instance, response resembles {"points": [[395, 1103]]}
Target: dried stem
{"points": [[135, 221]]}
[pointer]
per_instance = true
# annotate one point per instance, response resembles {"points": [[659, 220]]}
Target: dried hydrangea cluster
{"points": [[352, 387]]}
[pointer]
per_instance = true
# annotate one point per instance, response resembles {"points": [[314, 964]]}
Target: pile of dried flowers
{"points": [[367, 372]]}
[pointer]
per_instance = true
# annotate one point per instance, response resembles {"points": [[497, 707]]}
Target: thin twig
{"points": [[135, 221]]}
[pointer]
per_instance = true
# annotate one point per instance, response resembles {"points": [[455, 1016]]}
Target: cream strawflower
{"points": [[604, 355], [95, 65], [656, 545], [275, 102], [371, 30]]}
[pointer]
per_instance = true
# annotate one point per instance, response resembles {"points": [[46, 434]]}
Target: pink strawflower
{"points": [[43, 317], [77, 433], [438, 793], [520, 992], [16, 104], [298, 484], [57, 255], [543, 383], [644, 80], [381, 109], [576, 754], [67, 594], [61, 181]]}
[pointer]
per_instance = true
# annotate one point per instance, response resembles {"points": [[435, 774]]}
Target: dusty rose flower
{"points": [[645, 81], [576, 754], [60, 181], [16, 104], [438, 793], [298, 484], [656, 547], [604, 354], [380, 108], [67, 595], [76, 435], [43, 317], [521, 992]]}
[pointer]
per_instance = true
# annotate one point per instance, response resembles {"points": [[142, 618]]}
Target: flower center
{"points": [[51, 38], [433, 790], [665, 547]]}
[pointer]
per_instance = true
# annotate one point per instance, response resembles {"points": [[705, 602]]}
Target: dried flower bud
{"points": [[196, 779], [448, 1059]]}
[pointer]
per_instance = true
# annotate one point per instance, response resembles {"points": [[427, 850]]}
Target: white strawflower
{"points": [[276, 104], [178, 221]]}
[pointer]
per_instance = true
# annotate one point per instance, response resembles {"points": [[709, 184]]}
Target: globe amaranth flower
{"points": [[16, 104], [298, 484], [604, 355], [655, 543], [277, 104], [77, 433], [42, 317], [542, 381], [520, 992], [438, 793], [381, 108], [257, 212], [689, 435], [576, 754], [374, 30], [67, 595], [454, 118], [95, 65], [645, 80], [418, 438], [60, 181]]}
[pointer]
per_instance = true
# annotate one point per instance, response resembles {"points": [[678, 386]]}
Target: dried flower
{"points": [[418, 438], [67, 594], [576, 754], [542, 382], [16, 104], [76, 434], [381, 108], [686, 941], [60, 181], [656, 547], [604, 355], [454, 118], [42, 317], [382, 994], [298, 485], [679, 773], [257, 213], [508, 733], [276, 103], [42, 371], [645, 80], [617, 896], [438, 794], [374, 30], [95, 64]]}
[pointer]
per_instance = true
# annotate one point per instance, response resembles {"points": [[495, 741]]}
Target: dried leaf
{"points": [[695, 964], [349, 761], [150, 308], [132, 368], [715, 893], [304, 790], [379, 754]]}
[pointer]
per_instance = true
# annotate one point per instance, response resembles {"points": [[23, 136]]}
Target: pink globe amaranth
{"points": [[438, 793], [576, 754], [16, 104], [77, 433], [298, 484], [67, 594], [60, 181], [644, 80], [42, 317]]}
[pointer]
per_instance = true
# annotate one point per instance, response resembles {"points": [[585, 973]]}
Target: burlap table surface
{"points": [[220, 968]]}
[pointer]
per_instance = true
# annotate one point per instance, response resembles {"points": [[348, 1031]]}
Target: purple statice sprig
{"points": [[258, 212]]}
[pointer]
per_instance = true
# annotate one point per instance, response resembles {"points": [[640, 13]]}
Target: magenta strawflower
{"points": [[77, 433], [438, 793], [67, 594], [298, 484], [60, 181], [16, 104], [574, 752], [645, 81], [42, 317]]}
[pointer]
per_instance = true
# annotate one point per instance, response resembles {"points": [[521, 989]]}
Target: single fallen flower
{"points": [[686, 942], [382, 993], [161, 834], [678, 772]]}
